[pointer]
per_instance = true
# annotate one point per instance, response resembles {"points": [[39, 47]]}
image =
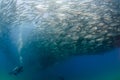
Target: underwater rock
{"points": [[64, 28]]}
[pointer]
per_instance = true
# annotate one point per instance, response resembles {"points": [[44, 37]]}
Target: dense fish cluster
{"points": [[7, 18], [64, 28]]}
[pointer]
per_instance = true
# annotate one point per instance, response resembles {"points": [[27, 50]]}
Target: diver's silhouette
{"points": [[16, 70]]}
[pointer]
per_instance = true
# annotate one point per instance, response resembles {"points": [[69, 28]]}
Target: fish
{"points": [[73, 28], [87, 28]]}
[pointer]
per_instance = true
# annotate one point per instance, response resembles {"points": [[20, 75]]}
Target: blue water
{"points": [[89, 67], [97, 67], [104, 66]]}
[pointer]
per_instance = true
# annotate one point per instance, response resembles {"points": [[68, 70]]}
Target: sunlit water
{"points": [[22, 21]]}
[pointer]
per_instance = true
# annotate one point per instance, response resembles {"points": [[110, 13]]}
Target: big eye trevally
{"points": [[64, 28]]}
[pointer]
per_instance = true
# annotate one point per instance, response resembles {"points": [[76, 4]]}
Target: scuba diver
{"points": [[17, 70]]}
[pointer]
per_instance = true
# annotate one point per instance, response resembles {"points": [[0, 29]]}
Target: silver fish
{"points": [[64, 28]]}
